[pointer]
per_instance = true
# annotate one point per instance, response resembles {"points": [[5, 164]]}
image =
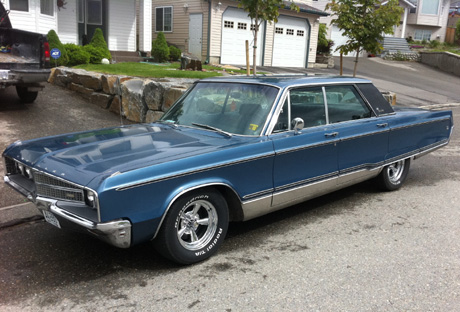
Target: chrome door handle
{"points": [[382, 125], [331, 135]]}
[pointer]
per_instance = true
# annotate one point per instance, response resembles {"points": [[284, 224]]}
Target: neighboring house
{"points": [[216, 31], [76, 20], [421, 19]]}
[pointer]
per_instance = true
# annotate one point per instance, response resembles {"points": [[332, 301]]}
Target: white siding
{"points": [[67, 23], [33, 20], [145, 25], [122, 25]]}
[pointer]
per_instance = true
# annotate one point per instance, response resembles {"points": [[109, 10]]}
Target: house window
{"points": [[228, 24], [94, 12], [19, 5], [430, 7], [242, 26], [81, 11], [290, 32], [164, 18], [422, 34], [46, 7], [279, 30], [253, 27], [300, 33]]}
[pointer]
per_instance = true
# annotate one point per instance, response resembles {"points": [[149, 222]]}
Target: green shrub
{"points": [[424, 41], [324, 45], [55, 43], [98, 42], [77, 54], [95, 54], [174, 53], [160, 50], [434, 44]]}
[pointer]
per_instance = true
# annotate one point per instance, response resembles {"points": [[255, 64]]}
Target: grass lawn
{"points": [[153, 70], [150, 70]]}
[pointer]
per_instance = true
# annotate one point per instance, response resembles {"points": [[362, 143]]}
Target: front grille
{"points": [[10, 166], [48, 186]]}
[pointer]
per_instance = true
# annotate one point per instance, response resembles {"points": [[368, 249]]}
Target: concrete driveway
{"points": [[415, 84]]}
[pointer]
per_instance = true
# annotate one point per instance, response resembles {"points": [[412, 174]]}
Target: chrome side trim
{"points": [[419, 124], [304, 147], [116, 232], [307, 181], [174, 176], [257, 194], [430, 148], [364, 135]]}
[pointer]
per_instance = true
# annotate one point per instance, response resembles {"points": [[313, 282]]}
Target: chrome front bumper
{"points": [[116, 233]]}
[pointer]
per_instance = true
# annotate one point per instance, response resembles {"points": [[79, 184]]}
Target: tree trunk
{"points": [[356, 62], [254, 51]]}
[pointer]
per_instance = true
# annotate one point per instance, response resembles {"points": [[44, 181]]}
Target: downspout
{"points": [[308, 42], [264, 40], [209, 32]]}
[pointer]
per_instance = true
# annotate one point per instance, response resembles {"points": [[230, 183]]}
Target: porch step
{"points": [[125, 56], [393, 45]]}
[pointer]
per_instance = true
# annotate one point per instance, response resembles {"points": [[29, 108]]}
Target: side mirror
{"points": [[297, 124]]}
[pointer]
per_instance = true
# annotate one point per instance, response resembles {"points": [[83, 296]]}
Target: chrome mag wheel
{"points": [[197, 224]]}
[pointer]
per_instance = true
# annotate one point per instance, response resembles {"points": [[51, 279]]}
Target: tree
{"points": [[160, 49], [259, 11], [364, 22], [55, 43], [99, 42]]}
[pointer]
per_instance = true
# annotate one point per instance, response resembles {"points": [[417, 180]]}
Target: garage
{"points": [[339, 39], [236, 29], [290, 42]]}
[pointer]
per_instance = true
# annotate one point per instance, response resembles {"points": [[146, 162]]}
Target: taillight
{"points": [[46, 45]]}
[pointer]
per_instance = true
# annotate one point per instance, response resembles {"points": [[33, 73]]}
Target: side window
{"points": [[308, 104], [344, 103], [283, 119]]}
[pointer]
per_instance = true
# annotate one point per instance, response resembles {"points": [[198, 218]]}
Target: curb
{"points": [[18, 214]]}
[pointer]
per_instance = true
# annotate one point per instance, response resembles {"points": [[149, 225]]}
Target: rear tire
{"points": [[25, 95], [194, 228], [393, 176]]}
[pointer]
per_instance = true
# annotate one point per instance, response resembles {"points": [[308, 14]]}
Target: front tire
{"points": [[194, 227], [393, 176], [25, 95]]}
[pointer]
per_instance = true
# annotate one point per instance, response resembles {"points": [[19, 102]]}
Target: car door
{"points": [[305, 162], [363, 143]]}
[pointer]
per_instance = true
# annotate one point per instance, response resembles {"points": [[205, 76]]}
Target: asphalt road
{"points": [[354, 250]]}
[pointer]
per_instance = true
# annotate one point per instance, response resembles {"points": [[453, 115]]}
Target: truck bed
{"points": [[9, 58]]}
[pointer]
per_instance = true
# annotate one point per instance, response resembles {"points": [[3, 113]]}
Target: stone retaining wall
{"points": [[445, 61], [137, 99]]}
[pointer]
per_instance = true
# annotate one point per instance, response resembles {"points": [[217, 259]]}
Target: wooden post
{"points": [[341, 64], [248, 69]]}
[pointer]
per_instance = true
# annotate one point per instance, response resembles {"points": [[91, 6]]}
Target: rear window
{"points": [[375, 99]]}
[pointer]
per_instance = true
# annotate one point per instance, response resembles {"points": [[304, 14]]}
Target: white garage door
{"points": [[236, 29], [290, 43], [339, 39]]}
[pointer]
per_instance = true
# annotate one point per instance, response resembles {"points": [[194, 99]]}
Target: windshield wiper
{"points": [[227, 134]]}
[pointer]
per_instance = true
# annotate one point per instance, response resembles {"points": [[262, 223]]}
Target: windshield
{"points": [[232, 107]]}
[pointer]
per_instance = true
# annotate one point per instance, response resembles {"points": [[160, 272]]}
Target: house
{"points": [[216, 31], [421, 20], [76, 20]]}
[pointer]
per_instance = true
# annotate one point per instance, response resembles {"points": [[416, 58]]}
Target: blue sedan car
{"points": [[231, 149]]}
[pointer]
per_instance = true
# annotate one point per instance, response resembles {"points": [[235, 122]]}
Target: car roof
{"points": [[288, 80]]}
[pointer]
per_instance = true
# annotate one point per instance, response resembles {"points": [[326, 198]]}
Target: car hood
{"points": [[80, 157]]}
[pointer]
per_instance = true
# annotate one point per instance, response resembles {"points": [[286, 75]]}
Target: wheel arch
{"points": [[232, 198]]}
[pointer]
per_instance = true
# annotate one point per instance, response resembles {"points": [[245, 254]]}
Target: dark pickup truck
{"points": [[24, 59]]}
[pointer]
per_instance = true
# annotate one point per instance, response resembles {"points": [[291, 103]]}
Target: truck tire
{"points": [[25, 95]]}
